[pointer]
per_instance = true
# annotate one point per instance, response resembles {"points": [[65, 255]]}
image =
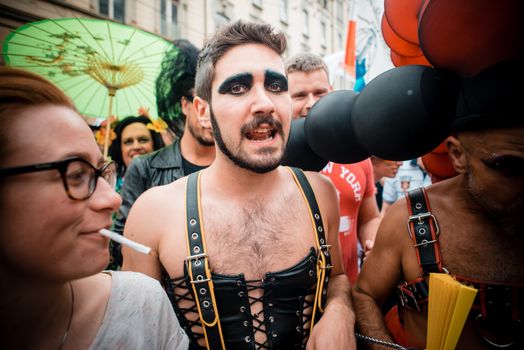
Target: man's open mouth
{"points": [[261, 134]]}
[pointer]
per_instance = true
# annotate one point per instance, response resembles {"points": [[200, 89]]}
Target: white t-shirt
{"points": [[138, 316]]}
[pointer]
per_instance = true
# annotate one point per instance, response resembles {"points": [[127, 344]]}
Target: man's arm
{"points": [[381, 272], [335, 330], [143, 226], [368, 222]]}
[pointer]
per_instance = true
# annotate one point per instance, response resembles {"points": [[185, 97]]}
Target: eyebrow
{"points": [[272, 76], [245, 79]]}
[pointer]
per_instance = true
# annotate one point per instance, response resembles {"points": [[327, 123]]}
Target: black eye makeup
{"points": [[236, 84], [275, 82], [507, 165]]}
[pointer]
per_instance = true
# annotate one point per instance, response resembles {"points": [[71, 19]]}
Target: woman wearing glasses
{"points": [[56, 193]]}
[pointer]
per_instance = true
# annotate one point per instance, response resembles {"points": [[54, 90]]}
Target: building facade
{"points": [[317, 26]]}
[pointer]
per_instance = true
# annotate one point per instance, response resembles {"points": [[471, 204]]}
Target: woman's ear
{"points": [[203, 112], [457, 154]]}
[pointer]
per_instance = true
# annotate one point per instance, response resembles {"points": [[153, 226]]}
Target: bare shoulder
{"points": [[321, 184], [154, 209]]}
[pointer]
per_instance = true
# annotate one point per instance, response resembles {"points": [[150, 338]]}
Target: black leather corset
{"points": [[287, 305]]}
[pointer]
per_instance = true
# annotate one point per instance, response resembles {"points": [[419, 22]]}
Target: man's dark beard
{"points": [[198, 136], [259, 167], [509, 218]]}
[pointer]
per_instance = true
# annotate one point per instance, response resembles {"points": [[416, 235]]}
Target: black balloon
{"points": [[329, 128], [405, 112], [298, 152]]}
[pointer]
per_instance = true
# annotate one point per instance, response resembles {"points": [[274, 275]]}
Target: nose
{"points": [[262, 102], [105, 197], [136, 144]]}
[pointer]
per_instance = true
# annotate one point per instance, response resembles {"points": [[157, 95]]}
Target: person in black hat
{"points": [[479, 235]]}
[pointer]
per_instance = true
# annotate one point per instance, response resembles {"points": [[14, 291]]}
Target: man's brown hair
{"points": [[227, 37]]}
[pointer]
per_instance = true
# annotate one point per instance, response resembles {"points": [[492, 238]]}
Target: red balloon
{"points": [[467, 36]]}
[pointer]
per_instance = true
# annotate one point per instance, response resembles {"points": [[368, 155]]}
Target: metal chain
{"points": [[371, 340]]}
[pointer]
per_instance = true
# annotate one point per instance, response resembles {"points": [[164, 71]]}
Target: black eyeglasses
{"points": [[78, 175]]}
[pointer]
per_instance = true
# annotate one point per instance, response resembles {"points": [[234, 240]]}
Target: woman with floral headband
{"points": [[134, 136]]}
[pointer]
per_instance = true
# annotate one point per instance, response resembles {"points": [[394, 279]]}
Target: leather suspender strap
{"points": [[324, 258], [198, 267], [423, 230]]}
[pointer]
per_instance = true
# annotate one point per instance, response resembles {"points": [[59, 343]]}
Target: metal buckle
{"points": [[419, 218], [196, 257], [424, 242]]}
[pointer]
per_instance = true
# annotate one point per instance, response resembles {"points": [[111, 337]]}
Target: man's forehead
{"points": [[254, 59]]}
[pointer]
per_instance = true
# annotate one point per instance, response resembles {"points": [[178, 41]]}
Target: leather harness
{"points": [[199, 271], [497, 304]]}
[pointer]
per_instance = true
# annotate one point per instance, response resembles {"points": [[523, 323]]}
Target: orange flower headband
{"points": [[156, 125]]}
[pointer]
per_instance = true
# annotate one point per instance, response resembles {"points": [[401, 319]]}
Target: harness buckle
{"points": [[425, 242], [419, 219], [196, 257]]}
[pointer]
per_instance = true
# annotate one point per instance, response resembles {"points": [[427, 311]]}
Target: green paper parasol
{"points": [[106, 68]]}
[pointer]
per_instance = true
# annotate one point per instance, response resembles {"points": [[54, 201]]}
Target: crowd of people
{"points": [[247, 253]]}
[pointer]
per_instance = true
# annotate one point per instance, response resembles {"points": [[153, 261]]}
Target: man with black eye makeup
{"points": [[247, 249], [471, 226]]}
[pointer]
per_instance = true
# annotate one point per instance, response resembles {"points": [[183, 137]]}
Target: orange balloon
{"points": [[402, 15], [396, 43], [399, 60]]}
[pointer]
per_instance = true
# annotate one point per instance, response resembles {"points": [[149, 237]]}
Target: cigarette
{"points": [[125, 241]]}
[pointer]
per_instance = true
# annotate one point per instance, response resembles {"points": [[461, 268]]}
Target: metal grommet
{"points": [[297, 313], [299, 329], [239, 283], [245, 323], [241, 294], [322, 241], [320, 229], [206, 303], [311, 259], [274, 334], [317, 216], [192, 222], [311, 272], [247, 339], [324, 292], [198, 262], [422, 231], [200, 278], [327, 279], [242, 309], [202, 291], [194, 235], [271, 319], [270, 304], [196, 249], [418, 206]]}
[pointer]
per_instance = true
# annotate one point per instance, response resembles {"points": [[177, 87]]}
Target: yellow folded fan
{"points": [[448, 309]]}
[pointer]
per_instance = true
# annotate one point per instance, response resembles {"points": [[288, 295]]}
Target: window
{"points": [[257, 3], [283, 11], [305, 22], [323, 34], [340, 11], [339, 37], [169, 18], [114, 9], [324, 4]]}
